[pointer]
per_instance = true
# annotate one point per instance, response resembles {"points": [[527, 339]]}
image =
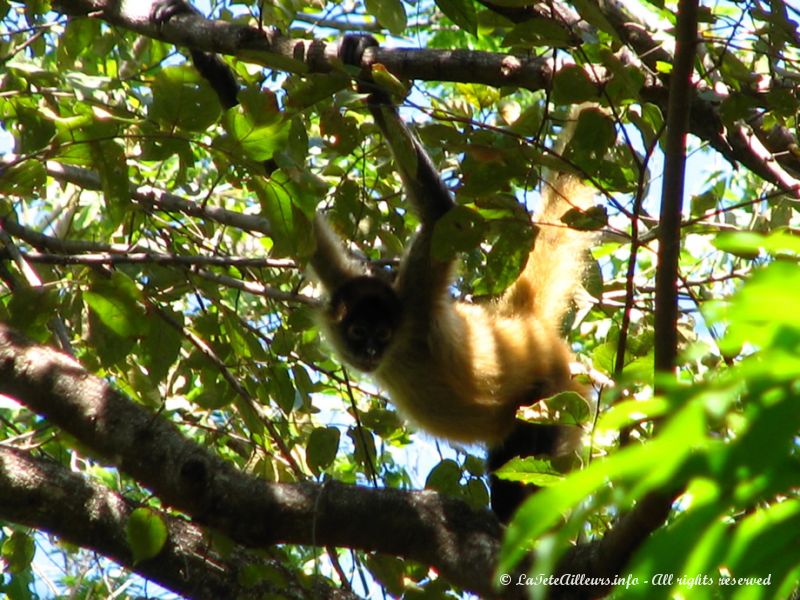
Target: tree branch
{"points": [[770, 155], [159, 200], [461, 543], [153, 258], [607, 557], [669, 238], [435, 530], [771, 161], [47, 496]]}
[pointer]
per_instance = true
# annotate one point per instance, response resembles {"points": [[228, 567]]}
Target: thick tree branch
{"points": [[272, 49], [608, 556], [771, 161], [460, 542], [443, 532], [269, 48], [772, 158], [669, 236], [45, 495]]}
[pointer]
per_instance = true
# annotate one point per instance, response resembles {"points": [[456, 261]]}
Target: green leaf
{"points": [[389, 571], [111, 348], [765, 311], [571, 405], [161, 347], [626, 81], [649, 122], [591, 219], [302, 383], [382, 421], [23, 179], [590, 11], [35, 132], [461, 229], [31, 308], [116, 302], [363, 440], [182, 98], [282, 389], [213, 393], [390, 13], [625, 413], [531, 471], [671, 547], [761, 539], [572, 85], [645, 468], [594, 134], [538, 32], [511, 233], [341, 129], [323, 444], [604, 357], [146, 533], [445, 477], [504, 262], [109, 159], [704, 202], [460, 12], [260, 142], [640, 368], [18, 552], [284, 206], [748, 244], [311, 88]]}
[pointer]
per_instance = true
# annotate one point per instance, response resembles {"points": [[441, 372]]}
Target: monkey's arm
{"points": [[423, 184], [422, 278], [330, 261]]}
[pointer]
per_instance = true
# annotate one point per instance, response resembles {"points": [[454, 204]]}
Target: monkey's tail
{"points": [[556, 442], [556, 264]]}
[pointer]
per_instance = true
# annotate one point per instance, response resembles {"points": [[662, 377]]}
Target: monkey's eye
{"points": [[383, 334], [357, 331]]}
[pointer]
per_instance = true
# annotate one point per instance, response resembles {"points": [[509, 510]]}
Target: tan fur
{"points": [[464, 376], [458, 370]]}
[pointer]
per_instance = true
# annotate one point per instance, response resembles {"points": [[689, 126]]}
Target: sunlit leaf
{"points": [[390, 13], [461, 12], [461, 229], [146, 533], [17, 552], [116, 301]]}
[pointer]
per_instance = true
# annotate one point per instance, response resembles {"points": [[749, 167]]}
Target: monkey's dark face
{"points": [[365, 313]]}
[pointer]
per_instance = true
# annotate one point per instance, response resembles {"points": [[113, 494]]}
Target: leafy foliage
{"points": [[164, 240]]}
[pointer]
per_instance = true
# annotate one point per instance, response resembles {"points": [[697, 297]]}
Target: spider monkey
{"points": [[458, 370]]}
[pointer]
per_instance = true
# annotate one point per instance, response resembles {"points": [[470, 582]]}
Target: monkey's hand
{"points": [[162, 11], [351, 52]]}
